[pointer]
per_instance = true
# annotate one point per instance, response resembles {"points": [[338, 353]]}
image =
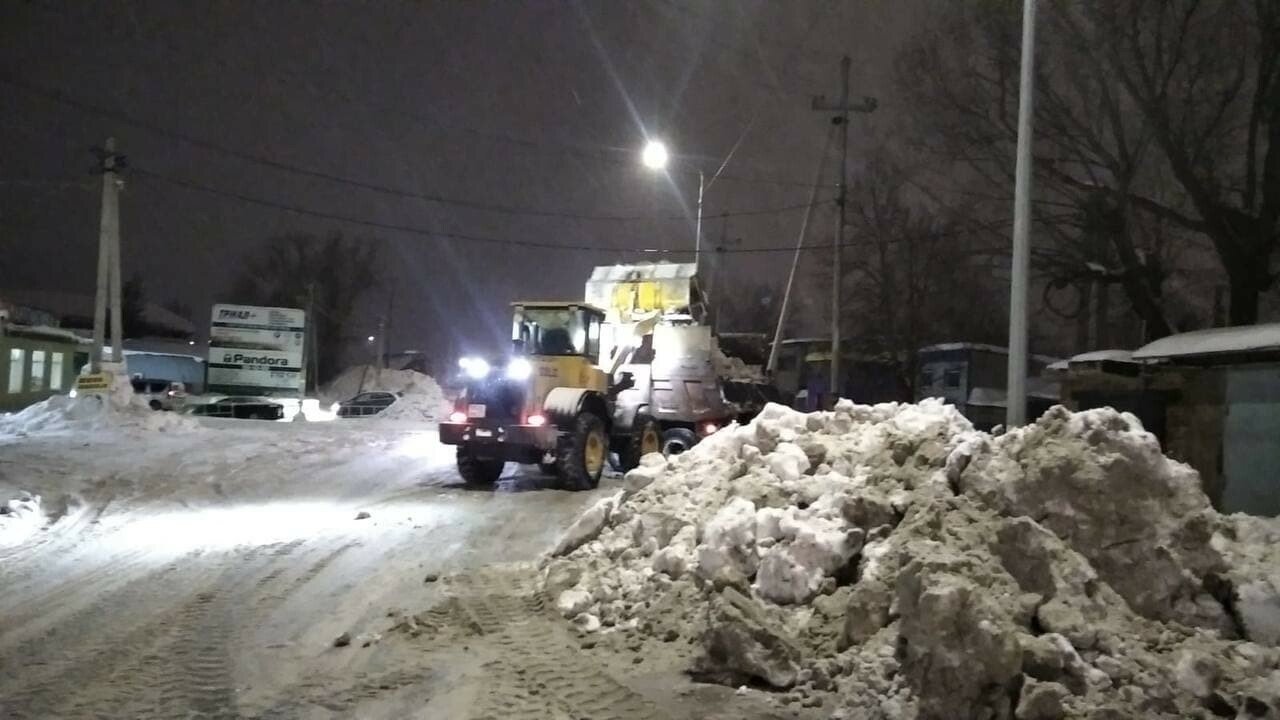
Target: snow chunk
{"points": [[20, 518]]}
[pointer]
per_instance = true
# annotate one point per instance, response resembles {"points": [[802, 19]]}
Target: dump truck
{"points": [[629, 371]]}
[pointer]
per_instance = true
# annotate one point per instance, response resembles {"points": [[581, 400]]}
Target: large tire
{"points": [[477, 471], [582, 453], [646, 437], [678, 440]]}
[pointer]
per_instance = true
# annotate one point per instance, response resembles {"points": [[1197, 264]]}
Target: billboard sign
{"points": [[256, 350]]}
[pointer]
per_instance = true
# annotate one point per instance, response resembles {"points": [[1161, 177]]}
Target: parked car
{"points": [[161, 394], [366, 404], [241, 408]]}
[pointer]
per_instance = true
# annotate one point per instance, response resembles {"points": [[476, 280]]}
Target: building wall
{"points": [[1251, 441], [1194, 418], [945, 374], [34, 369]]}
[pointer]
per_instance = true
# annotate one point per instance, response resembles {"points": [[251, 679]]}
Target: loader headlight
{"points": [[475, 368], [519, 369]]}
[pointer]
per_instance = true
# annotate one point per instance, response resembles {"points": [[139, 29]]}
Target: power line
{"points": [[531, 244], [262, 202], [63, 98], [612, 155]]}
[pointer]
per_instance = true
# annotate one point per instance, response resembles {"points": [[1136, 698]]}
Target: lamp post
{"points": [[1016, 394], [655, 157]]}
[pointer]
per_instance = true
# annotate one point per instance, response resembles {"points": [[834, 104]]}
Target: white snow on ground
{"points": [[420, 395], [20, 518], [902, 565]]}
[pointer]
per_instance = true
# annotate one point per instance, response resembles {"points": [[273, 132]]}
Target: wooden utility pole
{"points": [[842, 110]]}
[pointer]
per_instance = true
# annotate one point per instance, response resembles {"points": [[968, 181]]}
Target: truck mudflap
{"points": [[499, 436]]}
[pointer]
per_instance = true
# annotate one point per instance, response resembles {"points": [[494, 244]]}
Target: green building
{"points": [[37, 362]]}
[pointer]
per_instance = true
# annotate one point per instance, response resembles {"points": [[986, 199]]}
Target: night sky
{"points": [[528, 106]]}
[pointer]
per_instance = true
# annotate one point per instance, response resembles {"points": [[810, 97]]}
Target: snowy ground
{"points": [[205, 570]]}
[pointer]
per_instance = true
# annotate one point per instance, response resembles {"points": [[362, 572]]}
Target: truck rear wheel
{"points": [[646, 437], [477, 471], [582, 453], [678, 440]]}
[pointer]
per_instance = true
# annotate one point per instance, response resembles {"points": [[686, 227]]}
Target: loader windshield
{"points": [[557, 331]]}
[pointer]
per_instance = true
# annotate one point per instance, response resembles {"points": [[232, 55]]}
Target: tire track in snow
{"points": [[172, 663], [540, 668]]}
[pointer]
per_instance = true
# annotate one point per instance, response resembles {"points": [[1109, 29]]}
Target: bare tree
{"points": [[915, 277], [1093, 151], [329, 274], [1203, 75]]}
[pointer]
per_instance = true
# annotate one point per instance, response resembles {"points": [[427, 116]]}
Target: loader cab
{"points": [[557, 330]]}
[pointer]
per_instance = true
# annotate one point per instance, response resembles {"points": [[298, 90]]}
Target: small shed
{"points": [[974, 378], [1221, 388]]}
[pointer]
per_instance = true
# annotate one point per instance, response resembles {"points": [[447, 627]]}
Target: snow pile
{"points": [[892, 562], [20, 518], [121, 409], [732, 368], [420, 396]]}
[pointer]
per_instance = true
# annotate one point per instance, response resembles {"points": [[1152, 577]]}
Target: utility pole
{"points": [[697, 232], [714, 292], [312, 357], [108, 258], [1016, 394], [842, 110], [384, 331]]}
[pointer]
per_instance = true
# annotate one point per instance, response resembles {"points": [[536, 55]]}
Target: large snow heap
{"points": [[121, 409], [899, 564], [420, 396]]}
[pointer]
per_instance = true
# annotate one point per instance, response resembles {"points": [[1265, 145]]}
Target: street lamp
{"points": [[655, 157]]}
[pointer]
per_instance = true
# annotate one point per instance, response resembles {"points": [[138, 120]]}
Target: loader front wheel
{"points": [[646, 437], [582, 453]]}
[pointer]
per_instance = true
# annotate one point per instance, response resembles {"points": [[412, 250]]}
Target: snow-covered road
{"points": [[207, 572]]}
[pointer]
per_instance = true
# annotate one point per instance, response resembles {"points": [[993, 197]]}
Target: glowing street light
{"points": [[655, 157]]}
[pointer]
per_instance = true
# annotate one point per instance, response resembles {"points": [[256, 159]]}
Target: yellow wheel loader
{"points": [[628, 372], [549, 403]]}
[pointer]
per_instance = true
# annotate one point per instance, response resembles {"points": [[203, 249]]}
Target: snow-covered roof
{"points": [[643, 271], [1216, 341], [1093, 356], [65, 305], [798, 341], [44, 331], [184, 356], [981, 347]]}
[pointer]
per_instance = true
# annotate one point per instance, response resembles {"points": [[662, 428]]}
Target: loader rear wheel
{"points": [[646, 437], [583, 452], [477, 471]]}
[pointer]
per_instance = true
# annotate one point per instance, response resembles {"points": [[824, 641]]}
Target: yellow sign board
{"points": [[93, 383]]}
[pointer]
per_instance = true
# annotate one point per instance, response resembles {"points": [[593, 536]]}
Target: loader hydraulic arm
{"points": [[639, 330]]}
